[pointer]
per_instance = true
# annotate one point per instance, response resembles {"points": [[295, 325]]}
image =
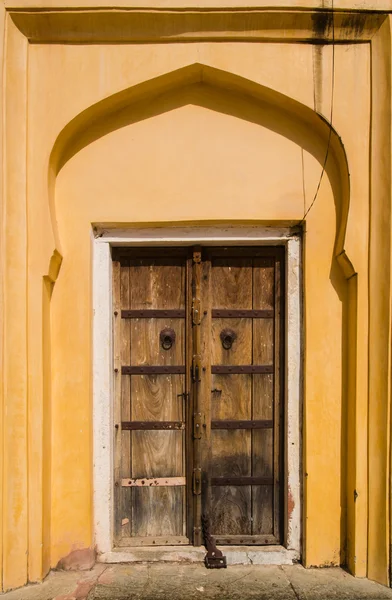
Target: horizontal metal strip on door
{"points": [[250, 314], [218, 369], [154, 370], [242, 424], [153, 314], [152, 425], [215, 481], [153, 482], [248, 540]]}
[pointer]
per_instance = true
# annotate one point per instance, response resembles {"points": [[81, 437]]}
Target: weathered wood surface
{"points": [[157, 510], [263, 399], [244, 284], [157, 283], [158, 513]]}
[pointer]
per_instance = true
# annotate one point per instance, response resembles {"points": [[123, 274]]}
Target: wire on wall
{"points": [[330, 120]]}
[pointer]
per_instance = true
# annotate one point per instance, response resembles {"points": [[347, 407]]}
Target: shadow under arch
{"points": [[252, 101]]}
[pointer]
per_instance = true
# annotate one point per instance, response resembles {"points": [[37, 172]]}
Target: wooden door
{"points": [[150, 398], [242, 459], [198, 413]]}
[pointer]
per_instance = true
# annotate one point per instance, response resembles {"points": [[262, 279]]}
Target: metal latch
{"points": [[197, 425], [196, 316], [214, 558], [197, 481], [196, 367]]}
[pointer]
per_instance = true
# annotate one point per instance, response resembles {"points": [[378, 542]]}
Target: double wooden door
{"points": [[198, 355]]}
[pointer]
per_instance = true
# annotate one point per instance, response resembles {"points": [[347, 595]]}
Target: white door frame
{"points": [[102, 241]]}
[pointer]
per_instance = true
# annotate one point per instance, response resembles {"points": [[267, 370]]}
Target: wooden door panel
{"points": [[158, 511], [157, 454], [230, 453], [263, 341], [232, 283], [240, 352], [263, 396], [146, 347], [262, 514], [157, 284], [157, 397], [231, 510], [263, 453], [231, 397]]}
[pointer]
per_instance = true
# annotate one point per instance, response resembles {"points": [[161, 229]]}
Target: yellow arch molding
{"points": [[285, 115]]}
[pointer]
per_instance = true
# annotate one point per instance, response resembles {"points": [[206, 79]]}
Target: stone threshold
{"points": [[236, 555]]}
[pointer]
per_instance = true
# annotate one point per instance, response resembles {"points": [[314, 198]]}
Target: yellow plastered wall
{"points": [[218, 134]]}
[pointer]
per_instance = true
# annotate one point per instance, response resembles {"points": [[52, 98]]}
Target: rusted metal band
{"points": [[224, 369], [215, 481], [154, 370], [152, 425], [153, 482], [153, 314], [242, 424], [243, 314]]}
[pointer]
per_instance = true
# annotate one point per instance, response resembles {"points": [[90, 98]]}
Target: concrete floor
{"points": [[180, 581]]}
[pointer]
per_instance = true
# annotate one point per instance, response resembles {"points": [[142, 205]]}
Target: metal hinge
{"points": [[197, 481], [197, 425]]}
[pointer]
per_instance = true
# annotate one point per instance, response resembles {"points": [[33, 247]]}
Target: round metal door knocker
{"points": [[167, 337], [228, 336]]}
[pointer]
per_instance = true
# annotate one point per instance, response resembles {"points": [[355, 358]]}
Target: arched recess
{"points": [[275, 111]]}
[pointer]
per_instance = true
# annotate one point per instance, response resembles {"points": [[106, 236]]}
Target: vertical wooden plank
{"points": [[188, 513], [262, 455], [117, 396], [125, 350], [263, 403], [263, 342], [263, 284], [198, 377], [279, 349], [206, 384], [232, 283]]}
